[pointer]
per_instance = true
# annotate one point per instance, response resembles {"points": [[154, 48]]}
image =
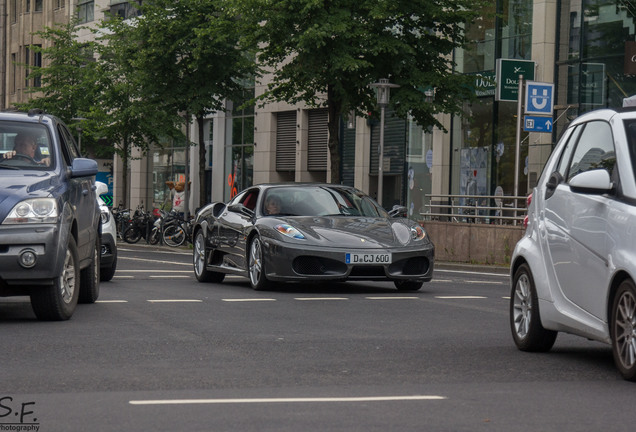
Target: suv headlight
{"points": [[35, 210], [105, 216]]}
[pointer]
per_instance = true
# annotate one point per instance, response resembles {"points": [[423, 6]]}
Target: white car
{"points": [[574, 271], [109, 236]]}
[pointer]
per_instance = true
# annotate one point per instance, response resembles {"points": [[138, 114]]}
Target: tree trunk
{"points": [[334, 108], [202, 152]]}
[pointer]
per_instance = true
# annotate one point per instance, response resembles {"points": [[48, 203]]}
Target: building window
{"points": [[28, 6], [27, 62], [239, 154], [59, 4], [14, 72], [14, 11], [38, 5], [125, 10], [37, 62], [85, 11]]}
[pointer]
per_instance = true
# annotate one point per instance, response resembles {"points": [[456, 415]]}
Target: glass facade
{"points": [[592, 48], [165, 164], [239, 145]]}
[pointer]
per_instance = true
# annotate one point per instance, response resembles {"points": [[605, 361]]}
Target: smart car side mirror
{"points": [[596, 182]]}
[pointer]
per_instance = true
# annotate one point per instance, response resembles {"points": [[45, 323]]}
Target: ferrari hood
{"points": [[338, 231]]}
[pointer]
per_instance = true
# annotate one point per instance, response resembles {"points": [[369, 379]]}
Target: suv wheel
{"points": [[58, 302], [525, 322], [89, 277], [623, 329]]}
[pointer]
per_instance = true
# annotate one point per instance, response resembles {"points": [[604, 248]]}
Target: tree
{"points": [[66, 78], [126, 116], [190, 59], [326, 53]]}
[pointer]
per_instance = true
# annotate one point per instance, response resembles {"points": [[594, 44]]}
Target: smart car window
{"points": [[564, 161], [594, 150], [630, 131]]}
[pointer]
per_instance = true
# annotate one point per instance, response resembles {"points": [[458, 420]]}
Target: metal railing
{"points": [[487, 209]]}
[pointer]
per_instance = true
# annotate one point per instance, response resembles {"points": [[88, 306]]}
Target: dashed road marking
{"points": [[286, 400], [175, 301], [392, 298], [319, 298], [449, 297], [248, 299]]}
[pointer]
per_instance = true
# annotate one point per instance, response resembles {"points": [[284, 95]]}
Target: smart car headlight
{"points": [[289, 231], [35, 210]]}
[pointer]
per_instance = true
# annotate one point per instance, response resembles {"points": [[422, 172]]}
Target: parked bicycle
{"points": [[141, 227], [176, 230], [122, 220]]}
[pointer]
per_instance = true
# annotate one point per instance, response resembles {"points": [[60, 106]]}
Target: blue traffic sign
{"points": [[539, 98], [537, 124]]}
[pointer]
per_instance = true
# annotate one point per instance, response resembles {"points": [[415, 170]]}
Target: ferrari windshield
{"points": [[320, 201]]}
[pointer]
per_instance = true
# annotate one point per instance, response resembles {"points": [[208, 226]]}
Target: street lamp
{"points": [[384, 87], [79, 131]]}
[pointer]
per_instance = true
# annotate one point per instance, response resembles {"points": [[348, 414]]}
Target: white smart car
{"points": [[574, 270], [109, 237]]}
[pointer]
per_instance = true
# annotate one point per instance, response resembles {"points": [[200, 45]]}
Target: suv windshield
{"points": [[24, 146]]}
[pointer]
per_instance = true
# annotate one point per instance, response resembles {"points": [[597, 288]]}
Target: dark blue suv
{"points": [[49, 216]]}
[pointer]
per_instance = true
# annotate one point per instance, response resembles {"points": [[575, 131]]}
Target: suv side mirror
{"points": [[83, 167]]}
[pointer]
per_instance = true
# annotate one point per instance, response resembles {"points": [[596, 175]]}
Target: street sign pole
{"points": [[518, 142]]}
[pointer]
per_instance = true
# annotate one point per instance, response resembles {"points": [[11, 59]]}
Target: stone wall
{"points": [[473, 243]]}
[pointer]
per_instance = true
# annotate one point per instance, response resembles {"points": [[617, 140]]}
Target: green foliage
{"points": [[337, 48]]}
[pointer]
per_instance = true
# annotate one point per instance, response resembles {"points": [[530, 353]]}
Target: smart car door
{"points": [[576, 222]]}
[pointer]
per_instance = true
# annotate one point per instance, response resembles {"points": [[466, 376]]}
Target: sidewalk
{"points": [[442, 265]]}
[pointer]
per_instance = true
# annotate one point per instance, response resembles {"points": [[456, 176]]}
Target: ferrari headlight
{"points": [[289, 231], [418, 233], [36, 210]]}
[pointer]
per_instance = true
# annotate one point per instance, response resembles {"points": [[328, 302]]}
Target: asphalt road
{"points": [[162, 352]]}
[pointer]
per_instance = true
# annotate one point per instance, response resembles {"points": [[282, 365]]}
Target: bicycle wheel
{"points": [[174, 235], [132, 234]]}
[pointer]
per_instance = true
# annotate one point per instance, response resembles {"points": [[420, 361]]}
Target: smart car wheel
{"points": [[408, 285], [58, 301], [89, 277], [256, 266], [525, 322], [198, 255], [623, 329]]}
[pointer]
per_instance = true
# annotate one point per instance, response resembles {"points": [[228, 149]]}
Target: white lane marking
{"points": [[459, 297], [175, 301], [155, 271], [441, 280], [155, 261], [111, 301], [319, 298], [169, 277], [485, 282], [123, 277], [506, 297], [506, 275], [392, 298], [248, 300], [285, 400]]}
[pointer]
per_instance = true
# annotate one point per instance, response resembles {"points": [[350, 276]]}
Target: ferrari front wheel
{"points": [[256, 265]]}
